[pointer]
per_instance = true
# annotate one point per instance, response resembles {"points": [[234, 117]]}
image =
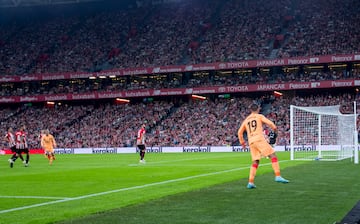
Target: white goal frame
{"points": [[323, 133]]}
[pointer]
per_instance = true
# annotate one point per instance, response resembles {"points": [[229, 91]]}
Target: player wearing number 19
{"points": [[259, 147]]}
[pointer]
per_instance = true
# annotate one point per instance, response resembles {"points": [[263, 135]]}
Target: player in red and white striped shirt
{"points": [[140, 142], [10, 138], [21, 143]]}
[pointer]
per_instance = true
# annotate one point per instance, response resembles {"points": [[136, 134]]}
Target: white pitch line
{"points": [[124, 189], [178, 160], [35, 197]]}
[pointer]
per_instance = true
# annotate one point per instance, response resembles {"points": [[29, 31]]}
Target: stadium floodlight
{"points": [[277, 93], [322, 133], [198, 97], [122, 100]]}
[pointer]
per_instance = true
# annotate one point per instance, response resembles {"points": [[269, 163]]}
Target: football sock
{"points": [[253, 172], [21, 157], [142, 155], [275, 166], [14, 157], [27, 157]]}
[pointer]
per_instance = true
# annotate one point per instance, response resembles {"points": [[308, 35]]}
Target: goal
{"points": [[322, 133]]}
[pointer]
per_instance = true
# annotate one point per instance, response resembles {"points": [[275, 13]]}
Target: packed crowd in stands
{"points": [[189, 32], [24, 45], [201, 123], [165, 36], [242, 31], [323, 28], [177, 33], [125, 38], [185, 123]]}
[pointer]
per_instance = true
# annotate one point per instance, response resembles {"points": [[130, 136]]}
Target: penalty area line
{"points": [[124, 189]]}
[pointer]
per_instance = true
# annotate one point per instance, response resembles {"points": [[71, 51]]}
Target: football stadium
{"points": [[179, 111]]}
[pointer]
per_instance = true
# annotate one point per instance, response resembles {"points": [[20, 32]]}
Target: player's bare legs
{"points": [[252, 174], [142, 155], [276, 168], [51, 158], [14, 157]]}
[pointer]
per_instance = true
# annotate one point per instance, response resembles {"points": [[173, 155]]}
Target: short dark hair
{"points": [[254, 107]]}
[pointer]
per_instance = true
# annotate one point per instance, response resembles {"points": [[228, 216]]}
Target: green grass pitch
{"points": [[174, 188]]}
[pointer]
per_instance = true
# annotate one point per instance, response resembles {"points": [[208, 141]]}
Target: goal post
{"points": [[356, 136], [322, 133]]}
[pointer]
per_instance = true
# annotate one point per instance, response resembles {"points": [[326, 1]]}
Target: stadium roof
{"points": [[27, 3]]}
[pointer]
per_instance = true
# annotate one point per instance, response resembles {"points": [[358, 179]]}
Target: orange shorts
{"points": [[260, 149], [49, 150]]}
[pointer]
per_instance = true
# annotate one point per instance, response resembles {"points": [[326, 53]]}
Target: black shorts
{"points": [[18, 151], [24, 150], [13, 149], [141, 147]]}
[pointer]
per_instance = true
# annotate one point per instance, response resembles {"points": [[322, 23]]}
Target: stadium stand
{"points": [[154, 82], [212, 122], [201, 31], [172, 34], [322, 28]]}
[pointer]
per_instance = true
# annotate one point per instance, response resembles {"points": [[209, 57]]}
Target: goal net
{"points": [[322, 133]]}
